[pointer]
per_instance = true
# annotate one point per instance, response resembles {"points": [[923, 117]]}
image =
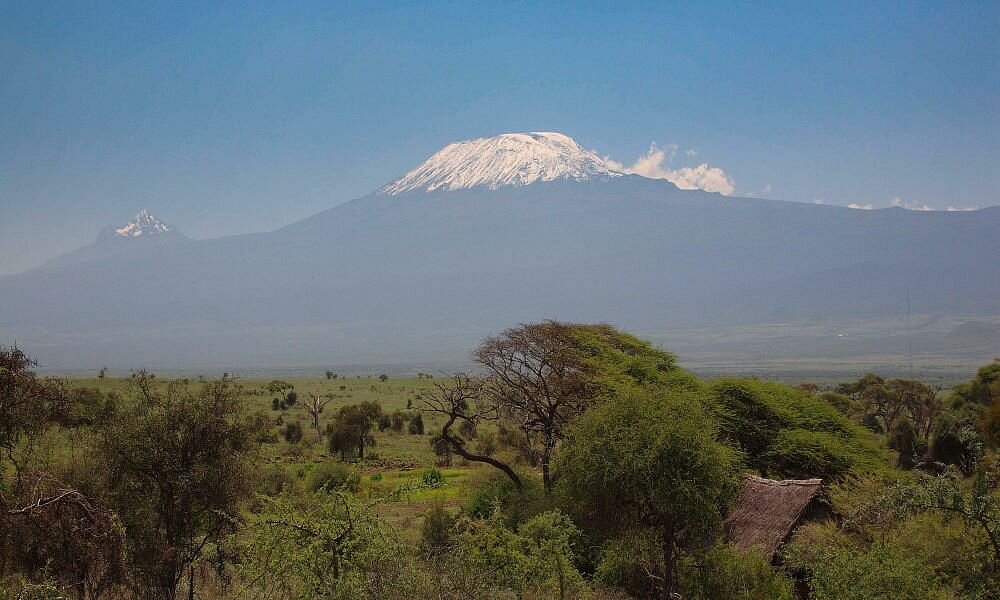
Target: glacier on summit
{"points": [[509, 159]]}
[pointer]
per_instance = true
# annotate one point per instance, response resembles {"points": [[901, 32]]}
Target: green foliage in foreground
{"points": [[145, 492], [651, 459], [319, 545], [877, 573], [723, 572]]}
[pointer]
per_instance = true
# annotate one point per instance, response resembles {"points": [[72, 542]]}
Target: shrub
{"points": [[433, 478], [903, 439], [877, 573], [496, 492], [274, 480], [434, 533], [417, 425], [723, 572], [626, 562], [397, 421], [956, 442], [329, 476], [490, 559], [293, 432]]}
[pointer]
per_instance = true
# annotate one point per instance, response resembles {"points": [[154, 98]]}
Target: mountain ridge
{"points": [[483, 239]]}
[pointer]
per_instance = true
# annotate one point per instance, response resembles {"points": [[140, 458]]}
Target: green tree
{"points": [[652, 460], [785, 432], [351, 430], [956, 441], [322, 546], [983, 390], [181, 463], [903, 439], [28, 405]]}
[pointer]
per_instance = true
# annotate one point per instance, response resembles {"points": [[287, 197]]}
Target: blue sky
{"points": [[226, 118]]}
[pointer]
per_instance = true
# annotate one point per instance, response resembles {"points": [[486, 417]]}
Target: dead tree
{"points": [[315, 408]]}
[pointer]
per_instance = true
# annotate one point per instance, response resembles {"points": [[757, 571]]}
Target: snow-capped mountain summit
{"points": [[143, 235], [144, 223], [509, 159]]}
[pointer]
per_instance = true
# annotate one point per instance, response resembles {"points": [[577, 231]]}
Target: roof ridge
{"points": [[767, 481]]}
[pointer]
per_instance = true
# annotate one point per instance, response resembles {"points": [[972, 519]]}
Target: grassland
{"points": [[399, 460]]}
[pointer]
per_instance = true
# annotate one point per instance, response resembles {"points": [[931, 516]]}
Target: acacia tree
{"points": [[538, 378], [651, 460], [323, 546], [352, 428], [27, 405], [77, 540], [181, 463], [44, 524], [919, 400]]}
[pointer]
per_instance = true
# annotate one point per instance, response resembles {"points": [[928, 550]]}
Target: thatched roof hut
{"points": [[767, 511]]}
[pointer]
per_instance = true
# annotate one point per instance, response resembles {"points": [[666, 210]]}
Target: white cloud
{"points": [[819, 201], [859, 206], [897, 201], [767, 189], [655, 164], [691, 152], [962, 208]]}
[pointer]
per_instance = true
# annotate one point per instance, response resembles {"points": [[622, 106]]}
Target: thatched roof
{"points": [[766, 512]]}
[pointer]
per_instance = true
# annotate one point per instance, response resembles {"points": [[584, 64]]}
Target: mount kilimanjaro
{"points": [[491, 232]]}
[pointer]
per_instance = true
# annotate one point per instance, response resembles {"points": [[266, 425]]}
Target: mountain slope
{"points": [[420, 274], [145, 234]]}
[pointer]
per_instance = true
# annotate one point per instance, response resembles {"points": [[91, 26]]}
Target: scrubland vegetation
{"points": [[576, 461]]}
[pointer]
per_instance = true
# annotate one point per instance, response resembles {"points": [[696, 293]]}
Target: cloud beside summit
{"points": [[655, 164]]}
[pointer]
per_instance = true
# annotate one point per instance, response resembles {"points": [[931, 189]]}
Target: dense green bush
{"points": [[626, 562], [722, 572], [293, 432], [495, 492], [785, 432], [878, 573], [435, 532], [801, 454], [956, 441], [329, 476]]}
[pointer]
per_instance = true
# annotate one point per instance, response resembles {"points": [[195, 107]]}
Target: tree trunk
{"points": [[668, 562], [546, 473]]}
